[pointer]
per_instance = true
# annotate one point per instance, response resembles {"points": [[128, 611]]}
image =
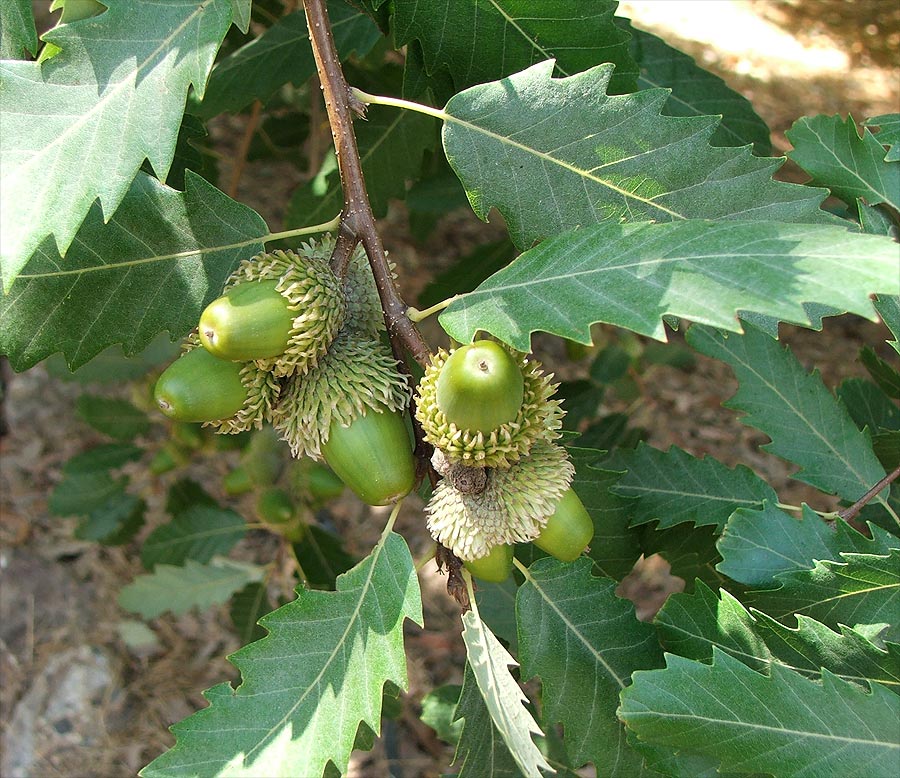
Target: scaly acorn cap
{"points": [[263, 390], [312, 290], [354, 375], [513, 508], [539, 418]]}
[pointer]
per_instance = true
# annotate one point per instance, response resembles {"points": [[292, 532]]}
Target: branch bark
{"points": [[357, 220]]}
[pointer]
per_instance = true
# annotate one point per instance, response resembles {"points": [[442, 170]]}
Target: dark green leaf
{"points": [[510, 35], [867, 405], [78, 494], [104, 457], [280, 55], [632, 275], [17, 31], [888, 307], [673, 487], [888, 133], [468, 272], [159, 261], [875, 220], [184, 494], [197, 532], [322, 557], [833, 152], [580, 399], [391, 146], [615, 547], [112, 416], [690, 551], [696, 92], [757, 546], [611, 431], [805, 422], [860, 589], [783, 724], [497, 607], [247, 607], [567, 162], [886, 446], [610, 365], [115, 522], [307, 684], [691, 625], [111, 366], [438, 709], [571, 630], [85, 120], [883, 373]]}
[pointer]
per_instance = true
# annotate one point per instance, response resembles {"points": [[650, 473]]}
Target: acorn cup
{"points": [[349, 411]]}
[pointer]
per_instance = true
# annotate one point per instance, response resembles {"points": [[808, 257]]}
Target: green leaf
{"points": [[572, 628], [115, 522], [757, 546], [104, 457], [306, 685], [860, 589], [198, 532], [888, 307], [178, 589], [888, 133], [161, 259], [480, 750], [503, 697], [868, 405], [806, 424], [690, 551], [632, 275], [391, 146], [17, 31], [468, 272], [692, 625], [567, 162], [322, 557], [833, 152], [886, 446], [438, 710], [80, 493], [783, 724], [510, 35], [247, 607], [883, 373], [874, 219], [695, 91], [497, 608], [615, 547], [112, 416], [184, 494], [280, 55], [85, 120], [111, 366], [674, 487]]}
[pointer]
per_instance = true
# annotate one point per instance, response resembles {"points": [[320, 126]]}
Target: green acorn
{"points": [[252, 320], [275, 506], [355, 395], [314, 295], [512, 508], [237, 482], [480, 387], [568, 530], [495, 566], [198, 387], [538, 417]]}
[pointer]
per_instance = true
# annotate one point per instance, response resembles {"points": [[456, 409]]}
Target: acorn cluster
{"points": [[290, 345], [490, 414]]}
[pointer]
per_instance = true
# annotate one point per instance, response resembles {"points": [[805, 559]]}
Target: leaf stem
{"points": [[331, 224], [389, 527], [853, 511], [799, 509], [357, 219], [396, 102], [416, 315]]}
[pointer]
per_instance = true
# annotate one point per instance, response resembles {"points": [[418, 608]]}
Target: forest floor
{"points": [[82, 695]]}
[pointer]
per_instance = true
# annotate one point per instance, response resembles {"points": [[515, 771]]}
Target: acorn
{"points": [[495, 566], [237, 481], [537, 416], [568, 530], [198, 387], [480, 387], [274, 506], [251, 320], [349, 410], [323, 483], [512, 508], [314, 295]]}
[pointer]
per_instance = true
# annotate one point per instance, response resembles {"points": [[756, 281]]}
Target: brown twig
{"points": [[853, 511], [241, 158], [357, 220]]}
